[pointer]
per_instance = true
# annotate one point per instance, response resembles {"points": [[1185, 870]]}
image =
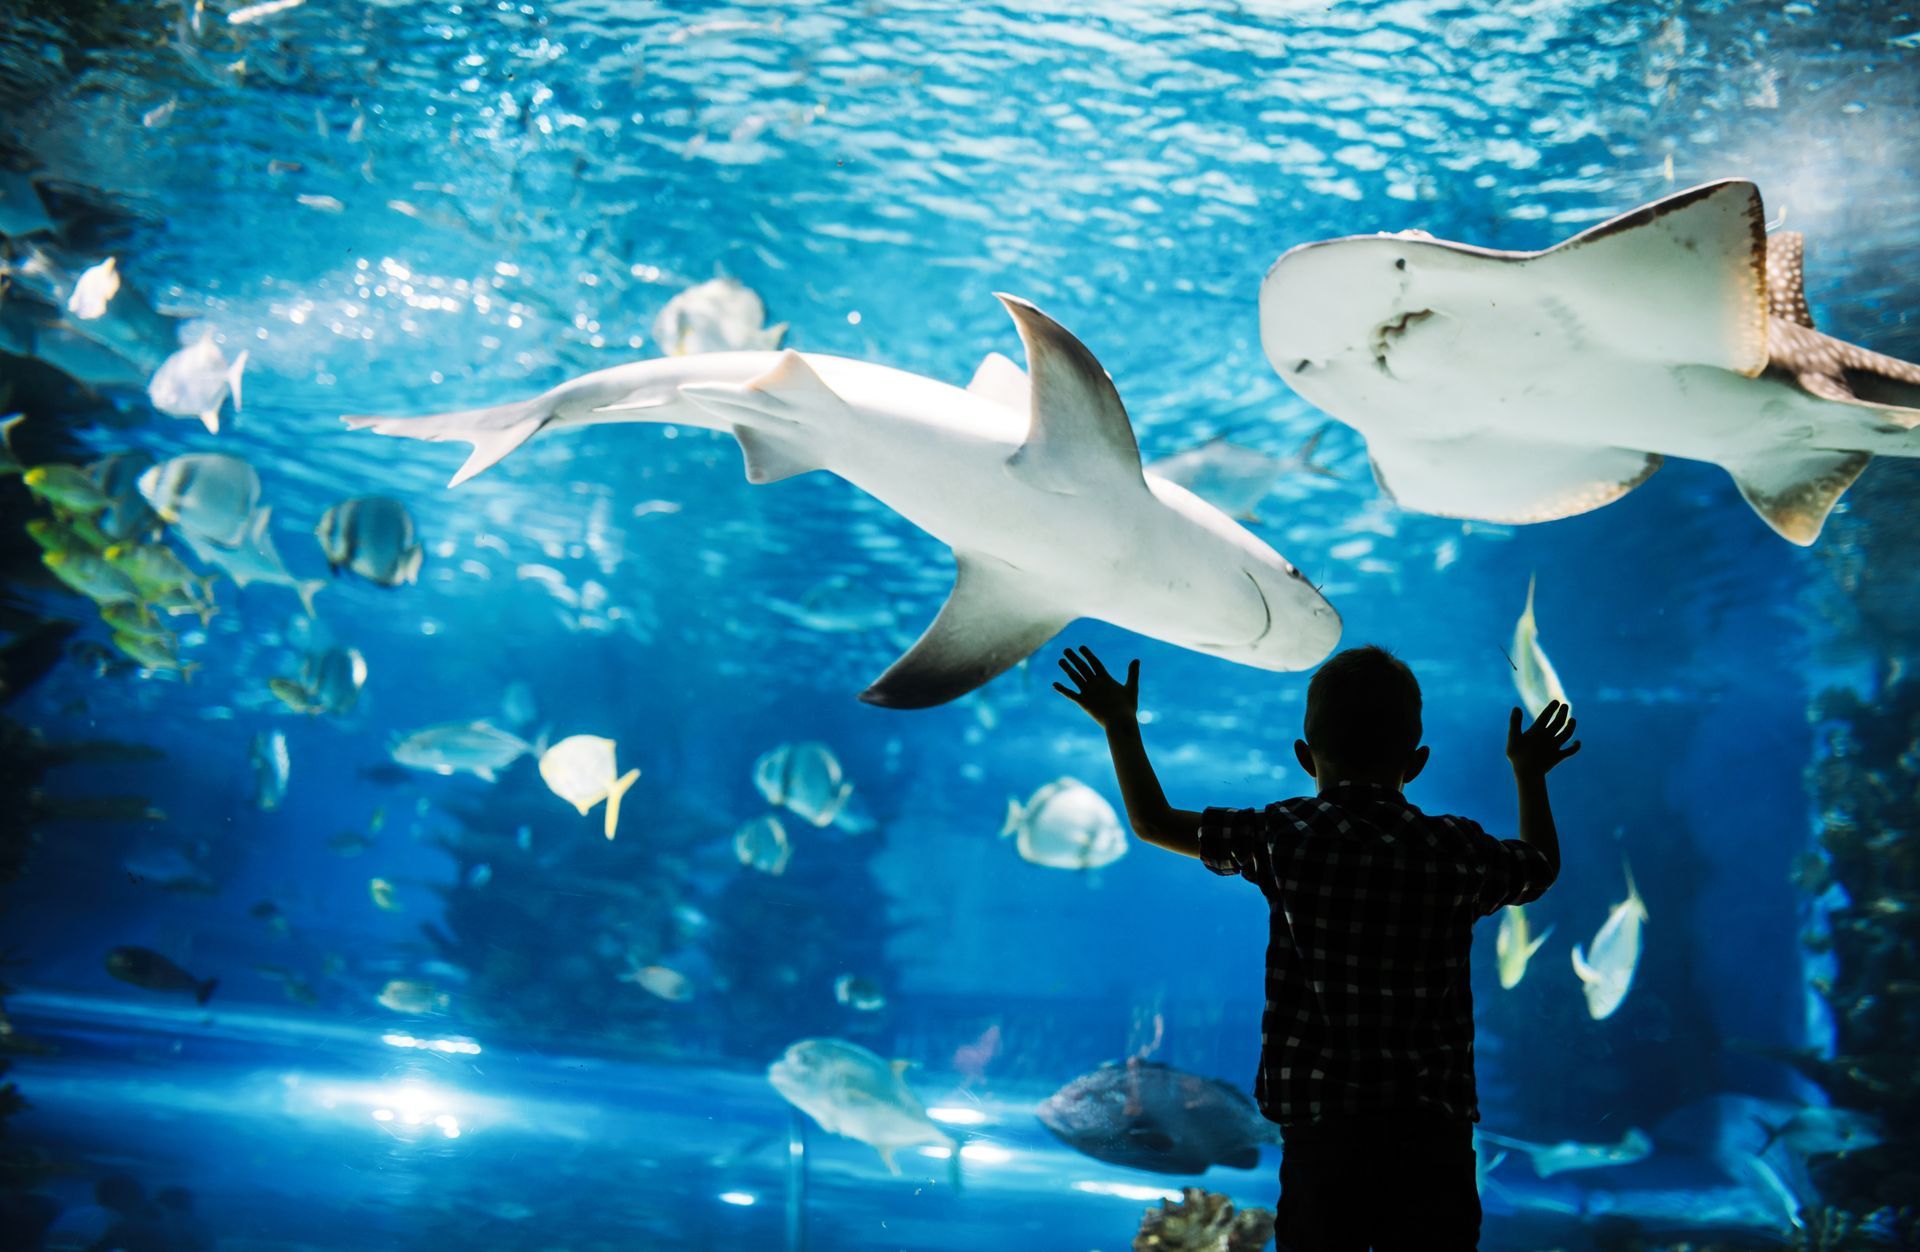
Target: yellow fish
{"points": [[1533, 674], [580, 769], [1511, 946]]}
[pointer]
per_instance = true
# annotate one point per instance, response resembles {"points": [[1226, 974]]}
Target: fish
{"points": [[127, 517], [129, 618], [1512, 947], [580, 769], [862, 995], [371, 536], [1567, 1156], [404, 995], [1066, 825], [1522, 387], [90, 575], [848, 1090], [297, 989], [265, 8], [1150, 1116], [660, 980], [1036, 486], [169, 869], [160, 114], [329, 682], [155, 569], [143, 967], [271, 767], [154, 651], [73, 534], [68, 487], [478, 748], [272, 915], [719, 315], [803, 778], [94, 289], [1235, 478], [383, 896], [196, 381], [349, 843], [254, 560], [1607, 974], [1821, 1130], [208, 495], [762, 844], [1533, 674]]}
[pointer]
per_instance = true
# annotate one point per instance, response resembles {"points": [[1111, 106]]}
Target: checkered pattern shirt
{"points": [[1373, 905]]}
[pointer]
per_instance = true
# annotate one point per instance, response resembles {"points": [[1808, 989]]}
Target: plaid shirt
{"points": [[1373, 905]]}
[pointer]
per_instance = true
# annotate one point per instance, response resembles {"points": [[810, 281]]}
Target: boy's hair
{"points": [[1363, 709]]}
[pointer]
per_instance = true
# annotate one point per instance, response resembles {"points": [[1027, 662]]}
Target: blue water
{"points": [[408, 208]]}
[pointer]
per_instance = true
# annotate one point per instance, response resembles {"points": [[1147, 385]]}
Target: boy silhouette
{"points": [[1366, 1044]]}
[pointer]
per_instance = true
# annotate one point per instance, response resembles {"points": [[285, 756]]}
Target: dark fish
{"points": [[1149, 1116], [143, 967]]}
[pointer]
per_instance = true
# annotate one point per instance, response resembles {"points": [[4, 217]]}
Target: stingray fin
{"points": [[998, 379], [1787, 278], [991, 622], [1078, 435], [1682, 280], [1499, 478], [1794, 489]]}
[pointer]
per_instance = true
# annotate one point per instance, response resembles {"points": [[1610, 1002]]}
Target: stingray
{"points": [[1522, 387]]}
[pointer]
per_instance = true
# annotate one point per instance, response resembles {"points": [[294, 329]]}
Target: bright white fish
{"points": [[1235, 478], [206, 494], [1036, 486], [1522, 387], [271, 767], [478, 748], [372, 536], [266, 8], [1560, 1158], [254, 560], [1066, 825], [719, 315], [1607, 973], [805, 779], [851, 1091], [94, 289], [580, 770], [762, 844], [1533, 674], [1512, 947], [196, 381], [661, 980]]}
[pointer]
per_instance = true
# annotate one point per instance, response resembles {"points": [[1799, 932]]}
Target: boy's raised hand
{"points": [[1544, 744], [1106, 700]]}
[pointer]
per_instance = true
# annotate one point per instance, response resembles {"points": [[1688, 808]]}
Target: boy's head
{"points": [[1363, 721]]}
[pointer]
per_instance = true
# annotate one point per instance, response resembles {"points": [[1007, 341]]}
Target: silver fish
{"points": [[373, 537]]}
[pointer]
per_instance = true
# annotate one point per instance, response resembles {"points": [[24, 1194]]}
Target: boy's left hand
{"points": [[1107, 701]]}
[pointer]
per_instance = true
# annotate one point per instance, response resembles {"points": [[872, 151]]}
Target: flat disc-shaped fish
{"points": [[209, 495], [1150, 1116], [1066, 825], [580, 769]]}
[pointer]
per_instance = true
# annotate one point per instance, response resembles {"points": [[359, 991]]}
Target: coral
{"points": [[1203, 1221]]}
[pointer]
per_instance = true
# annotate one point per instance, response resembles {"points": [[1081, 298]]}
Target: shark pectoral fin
{"points": [[1787, 277], [1502, 479], [770, 458], [998, 379], [1078, 436], [1794, 489], [993, 620], [1682, 280]]}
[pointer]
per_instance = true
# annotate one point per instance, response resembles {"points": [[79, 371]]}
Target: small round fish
{"points": [[1066, 825], [94, 289], [661, 980], [719, 315], [196, 381], [207, 494], [762, 844], [862, 995], [372, 536], [805, 779], [580, 769]]}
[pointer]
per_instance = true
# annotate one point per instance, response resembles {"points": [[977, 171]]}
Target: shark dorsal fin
{"points": [[1787, 278], [1682, 280], [998, 379], [1078, 435]]}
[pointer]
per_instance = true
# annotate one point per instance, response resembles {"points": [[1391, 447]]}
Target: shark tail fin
{"points": [[1773, 1133], [614, 793], [493, 432]]}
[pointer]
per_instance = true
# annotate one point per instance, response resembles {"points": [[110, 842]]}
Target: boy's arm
{"points": [[1533, 753], [1115, 705]]}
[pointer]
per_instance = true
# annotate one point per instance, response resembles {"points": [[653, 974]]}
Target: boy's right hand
{"points": [[1543, 745], [1106, 700]]}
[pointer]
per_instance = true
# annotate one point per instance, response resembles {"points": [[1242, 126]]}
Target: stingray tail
{"points": [[493, 432]]}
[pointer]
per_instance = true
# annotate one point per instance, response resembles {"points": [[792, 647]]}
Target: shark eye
{"points": [[1400, 263]]}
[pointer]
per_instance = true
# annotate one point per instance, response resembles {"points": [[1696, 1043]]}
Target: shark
{"points": [[1521, 387], [1032, 477]]}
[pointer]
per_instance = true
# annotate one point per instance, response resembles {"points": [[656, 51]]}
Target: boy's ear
{"points": [[1415, 763], [1303, 754]]}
